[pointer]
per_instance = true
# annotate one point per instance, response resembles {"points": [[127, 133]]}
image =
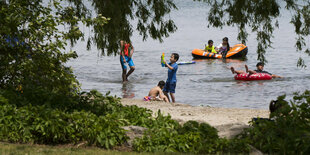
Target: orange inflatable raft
{"points": [[237, 51]]}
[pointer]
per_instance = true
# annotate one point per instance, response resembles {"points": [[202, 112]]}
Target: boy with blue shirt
{"points": [[172, 79]]}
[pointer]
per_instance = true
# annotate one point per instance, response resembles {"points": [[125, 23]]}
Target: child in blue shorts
{"points": [[172, 79], [126, 56]]}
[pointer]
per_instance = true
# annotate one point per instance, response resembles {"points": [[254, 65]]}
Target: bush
{"points": [[46, 125], [192, 137], [97, 120], [288, 131], [91, 117]]}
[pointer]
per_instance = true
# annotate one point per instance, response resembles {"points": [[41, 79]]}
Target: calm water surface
{"points": [[208, 82]]}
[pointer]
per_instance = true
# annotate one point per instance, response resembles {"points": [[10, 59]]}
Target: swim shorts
{"points": [[147, 98], [170, 87], [150, 98], [128, 60]]}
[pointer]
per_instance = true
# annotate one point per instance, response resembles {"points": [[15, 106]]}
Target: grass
{"points": [[23, 149]]}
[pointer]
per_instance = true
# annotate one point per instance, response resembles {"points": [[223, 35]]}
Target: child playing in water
{"points": [[260, 69], [172, 79], [126, 56], [210, 47], [224, 47], [157, 91]]}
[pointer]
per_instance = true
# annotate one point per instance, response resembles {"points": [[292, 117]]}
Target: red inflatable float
{"points": [[252, 77]]}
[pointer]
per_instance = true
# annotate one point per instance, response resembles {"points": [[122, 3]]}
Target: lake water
{"points": [[209, 82]]}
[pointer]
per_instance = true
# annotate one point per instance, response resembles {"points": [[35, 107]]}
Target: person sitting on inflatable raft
{"points": [[260, 69], [224, 47], [210, 47]]}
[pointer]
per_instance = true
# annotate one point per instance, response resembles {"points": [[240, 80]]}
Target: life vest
{"points": [[126, 47], [210, 49]]}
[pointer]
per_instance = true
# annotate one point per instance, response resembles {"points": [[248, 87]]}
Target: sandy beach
{"points": [[228, 121]]}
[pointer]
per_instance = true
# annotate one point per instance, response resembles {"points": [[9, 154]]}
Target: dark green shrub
{"points": [[288, 131], [92, 118], [192, 137], [45, 125]]}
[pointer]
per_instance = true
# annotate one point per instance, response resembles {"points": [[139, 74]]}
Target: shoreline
{"points": [[228, 121]]}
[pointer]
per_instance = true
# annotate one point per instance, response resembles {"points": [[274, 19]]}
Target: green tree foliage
{"points": [[261, 16], [149, 14], [287, 132], [33, 43]]}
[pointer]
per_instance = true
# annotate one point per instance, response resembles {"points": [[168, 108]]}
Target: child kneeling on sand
{"points": [[156, 93]]}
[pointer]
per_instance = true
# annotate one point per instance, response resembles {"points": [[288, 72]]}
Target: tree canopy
{"points": [[261, 16], [149, 15], [33, 41], [34, 37]]}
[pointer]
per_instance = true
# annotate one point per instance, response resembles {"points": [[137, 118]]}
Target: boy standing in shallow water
{"points": [[126, 56], [172, 79]]}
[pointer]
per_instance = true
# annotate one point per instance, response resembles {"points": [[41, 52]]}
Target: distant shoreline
{"points": [[228, 121]]}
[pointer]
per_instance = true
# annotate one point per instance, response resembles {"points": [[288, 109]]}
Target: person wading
{"points": [[126, 56]]}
